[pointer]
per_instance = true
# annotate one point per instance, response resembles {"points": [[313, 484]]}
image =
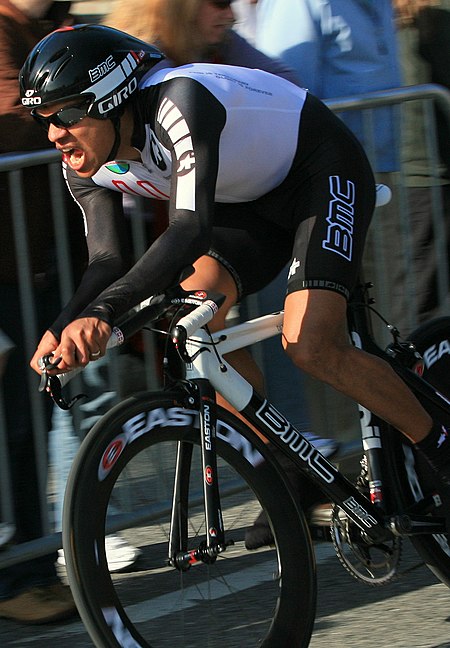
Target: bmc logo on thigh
{"points": [[340, 218]]}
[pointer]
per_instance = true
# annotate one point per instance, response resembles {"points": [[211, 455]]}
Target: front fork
{"points": [[202, 397]]}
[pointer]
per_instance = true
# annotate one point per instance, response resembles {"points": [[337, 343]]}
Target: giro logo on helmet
{"points": [[29, 100], [117, 98]]}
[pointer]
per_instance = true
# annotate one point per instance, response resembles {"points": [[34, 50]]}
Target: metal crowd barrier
{"points": [[430, 96], [12, 164]]}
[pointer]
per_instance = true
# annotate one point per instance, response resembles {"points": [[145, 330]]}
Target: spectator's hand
{"points": [[406, 10]]}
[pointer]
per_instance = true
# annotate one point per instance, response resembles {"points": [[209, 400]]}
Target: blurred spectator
{"points": [[30, 592], [190, 31], [424, 41], [68, 429], [350, 47], [338, 48], [245, 12], [432, 22]]}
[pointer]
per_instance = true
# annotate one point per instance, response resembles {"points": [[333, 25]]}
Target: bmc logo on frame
{"points": [[296, 442]]}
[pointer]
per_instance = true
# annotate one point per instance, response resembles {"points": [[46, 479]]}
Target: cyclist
{"points": [[256, 170]]}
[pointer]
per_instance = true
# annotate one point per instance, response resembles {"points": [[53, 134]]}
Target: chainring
{"points": [[373, 564], [370, 563]]}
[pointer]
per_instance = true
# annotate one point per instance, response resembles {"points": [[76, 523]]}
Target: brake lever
{"points": [[52, 385]]}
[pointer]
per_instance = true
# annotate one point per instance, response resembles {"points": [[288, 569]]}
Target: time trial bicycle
{"points": [[183, 478]]}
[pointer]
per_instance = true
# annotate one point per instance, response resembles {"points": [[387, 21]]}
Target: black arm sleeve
{"points": [[188, 120], [107, 242]]}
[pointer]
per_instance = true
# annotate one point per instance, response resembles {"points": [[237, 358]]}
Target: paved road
{"points": [[413, 612]]}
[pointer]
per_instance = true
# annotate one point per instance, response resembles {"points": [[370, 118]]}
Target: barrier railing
{"points": [[12, 164], [430, 96]]}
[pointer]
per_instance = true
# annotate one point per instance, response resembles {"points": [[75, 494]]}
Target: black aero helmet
{"points": [[92, 61]]}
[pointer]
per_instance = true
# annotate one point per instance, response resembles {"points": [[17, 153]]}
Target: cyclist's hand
{"points": [[82, 340], [47, 346]]}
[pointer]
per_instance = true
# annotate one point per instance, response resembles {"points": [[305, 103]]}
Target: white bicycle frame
{"points": [[223, 377]]}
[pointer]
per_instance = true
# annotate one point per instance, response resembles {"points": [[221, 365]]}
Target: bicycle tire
{"points": [[432, 340], [414, 476], [254, 607]]}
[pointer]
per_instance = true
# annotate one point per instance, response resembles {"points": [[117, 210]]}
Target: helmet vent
{"points": [[57, 55], [40, 82], [63, 65], [32, 59]]}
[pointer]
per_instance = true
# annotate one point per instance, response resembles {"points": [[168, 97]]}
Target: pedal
{"points": [[427, 504], [416, 525]]}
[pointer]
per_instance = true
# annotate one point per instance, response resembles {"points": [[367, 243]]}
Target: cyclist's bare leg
{"points": [[316, 339], [210, 274]]}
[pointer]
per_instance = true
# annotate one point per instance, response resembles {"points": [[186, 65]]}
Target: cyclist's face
{"points": [[85, 146], [214, 20]]}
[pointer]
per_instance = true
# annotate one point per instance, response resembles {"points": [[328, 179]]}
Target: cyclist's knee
{"points": [[315, 333], [304, 356], [316, 356]]}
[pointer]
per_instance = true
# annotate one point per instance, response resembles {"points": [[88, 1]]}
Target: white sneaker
{"points": [[119, 553], [327, 447], [7, 532]]}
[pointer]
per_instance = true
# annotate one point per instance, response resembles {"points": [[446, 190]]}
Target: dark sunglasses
{"points": [[64, 118], [221, 4]]}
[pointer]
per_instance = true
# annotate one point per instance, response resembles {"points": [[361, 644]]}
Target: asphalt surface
{"points": [[410, 612]]}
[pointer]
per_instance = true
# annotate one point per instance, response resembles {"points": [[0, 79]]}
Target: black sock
{"points": [[436, 446]]}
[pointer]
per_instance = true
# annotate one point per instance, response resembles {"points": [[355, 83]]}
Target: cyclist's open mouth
{"points": [[74, 158]]}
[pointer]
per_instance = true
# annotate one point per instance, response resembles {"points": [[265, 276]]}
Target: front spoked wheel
{"points": [[122, 480]]}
